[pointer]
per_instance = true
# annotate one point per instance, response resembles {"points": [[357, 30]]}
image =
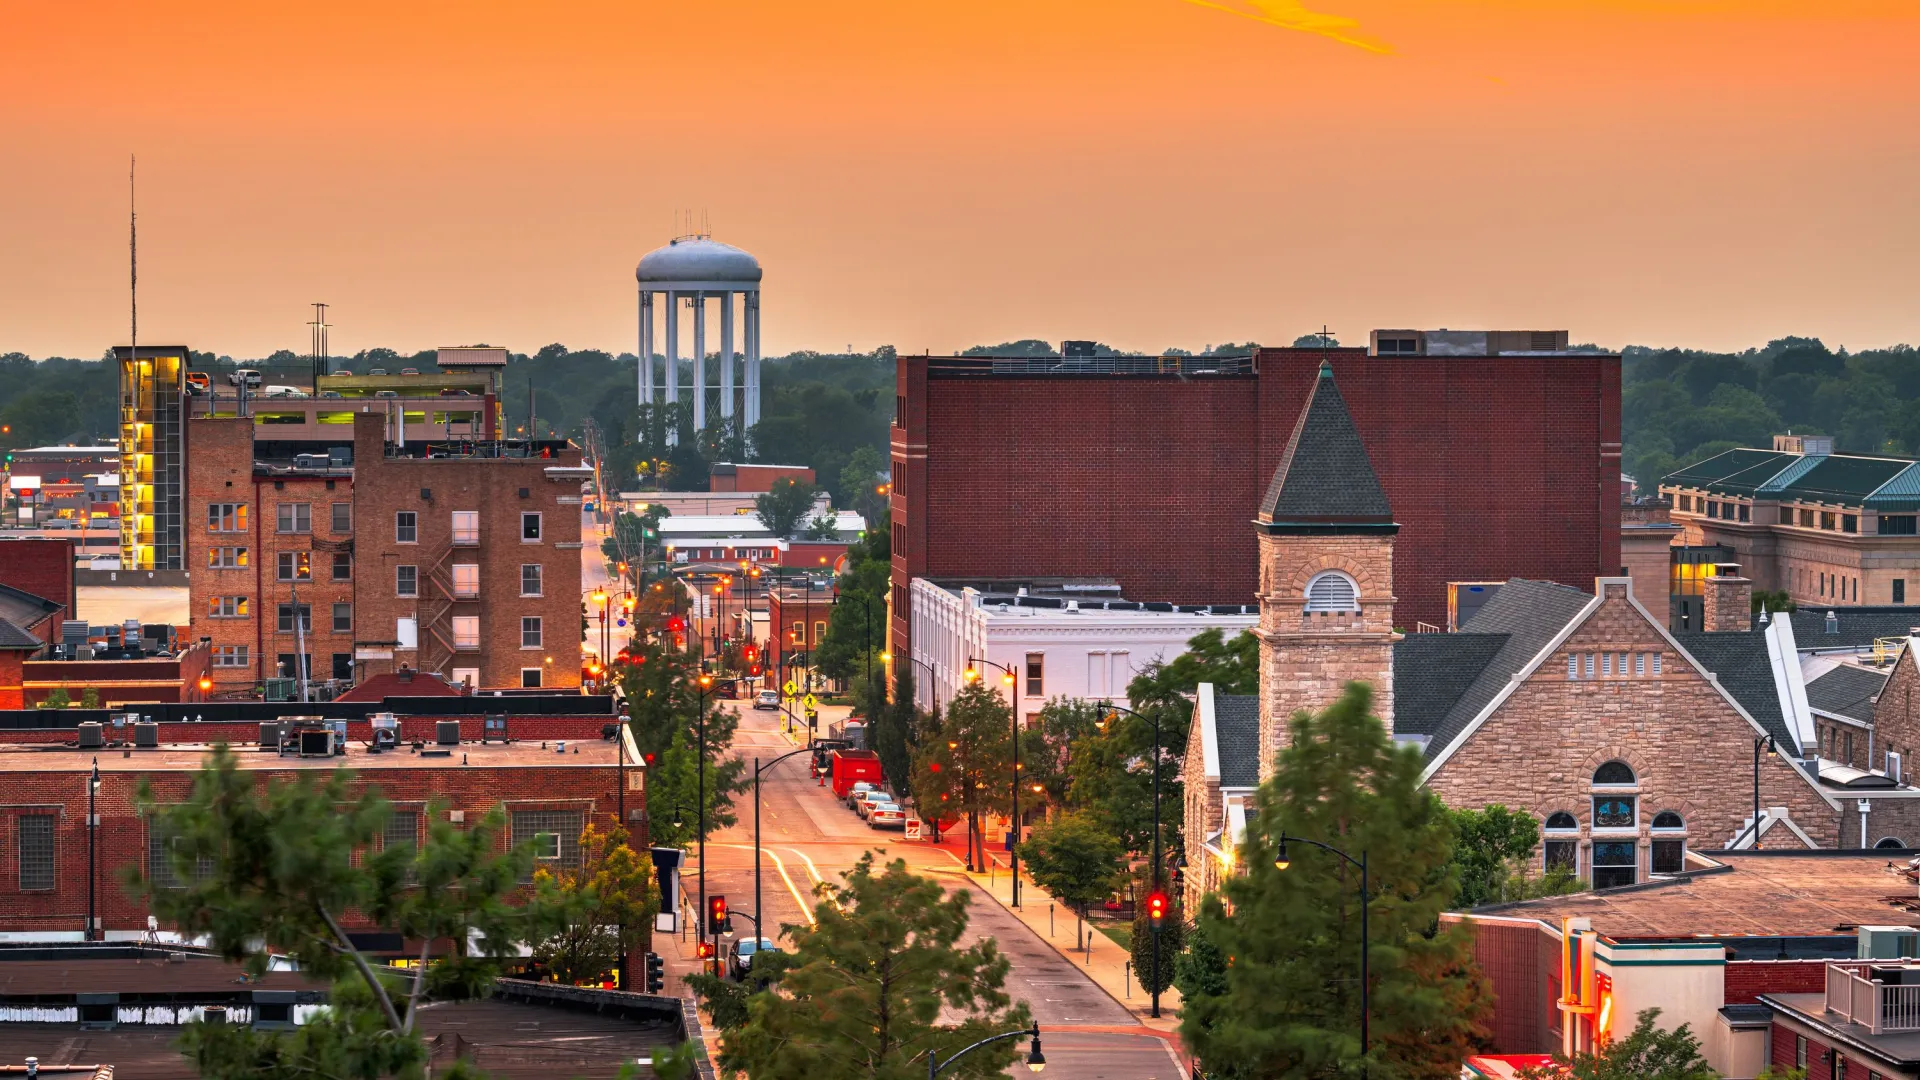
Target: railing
{"points": [[1879, 1007], [1183, 366], [1886, 649], [1425, 628]]}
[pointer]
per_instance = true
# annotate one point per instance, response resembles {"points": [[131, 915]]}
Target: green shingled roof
{"points": [[1736, 472], [1844, 479], [1325, 481], [1898, 495]]}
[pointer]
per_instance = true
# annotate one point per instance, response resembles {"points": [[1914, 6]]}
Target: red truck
{"points": [[852, 766]]}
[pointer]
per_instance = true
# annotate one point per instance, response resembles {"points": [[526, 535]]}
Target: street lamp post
{"points": [[705, 682], [1154, 967], [1036, 1061], [757, 767], [1764, 742], [1013, 700], [93, 827], [1281, 862]]}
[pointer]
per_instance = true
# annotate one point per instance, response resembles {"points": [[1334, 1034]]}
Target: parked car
{"points": [[865, 803], [283, 392], [858, 789], [887, 815], [767, 699], [454, 391], [386, 393], [744, 951], [198, 383], [246, 377]]}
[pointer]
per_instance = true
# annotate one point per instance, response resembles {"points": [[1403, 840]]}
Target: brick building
{"points": [[1144, 470], [43, 826], [458, 558], [731, 477]]}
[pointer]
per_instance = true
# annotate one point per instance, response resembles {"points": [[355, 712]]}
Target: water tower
{"points": [[692, 272]]}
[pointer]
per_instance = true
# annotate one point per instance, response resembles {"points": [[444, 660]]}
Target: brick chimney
{"points": [[1728, 600]]}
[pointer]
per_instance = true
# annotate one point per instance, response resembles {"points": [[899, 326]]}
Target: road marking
{"points": [[806, 912], [815, 871]]}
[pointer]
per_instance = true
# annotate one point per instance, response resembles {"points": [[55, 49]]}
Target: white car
{"points": [[244, 377], [886, 815], [865, 804], [767, 699], [283, 392], [860, 787]]}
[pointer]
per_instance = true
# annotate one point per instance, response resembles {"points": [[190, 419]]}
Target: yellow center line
{"points": [[806, 911]]}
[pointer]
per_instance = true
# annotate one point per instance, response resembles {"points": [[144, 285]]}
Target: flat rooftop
{"points": [[182, 973], [184, 757], [1756, 894]]}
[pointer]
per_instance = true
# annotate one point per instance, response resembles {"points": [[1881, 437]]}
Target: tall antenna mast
{"points": [[133, 262], [318, 354]]}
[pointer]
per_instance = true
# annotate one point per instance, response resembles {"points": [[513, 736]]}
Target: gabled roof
{"points": [[1526, 615], [24, 609], [1739, 659], [1847, 691], [12, 637], [1431, 671], [1325, 482], [1236, 720]]}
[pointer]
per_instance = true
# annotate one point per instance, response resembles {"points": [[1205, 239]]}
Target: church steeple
{"points": [[1326, 571]]}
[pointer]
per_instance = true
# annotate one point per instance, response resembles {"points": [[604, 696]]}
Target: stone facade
{"points": [[1727, 603], [1690, 749], [1307, 658], [1896, 717]]}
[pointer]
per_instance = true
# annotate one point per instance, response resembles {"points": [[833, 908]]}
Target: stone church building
{"points": [[1631, 744]]}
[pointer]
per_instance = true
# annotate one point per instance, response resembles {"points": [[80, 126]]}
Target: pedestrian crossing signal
{"points": [[656, 973]]}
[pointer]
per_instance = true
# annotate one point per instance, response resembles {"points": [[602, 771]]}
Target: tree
{"points": [[861, 483], [1291, 1007], [603, 908], [1048, 751], [1316, 341], [968, 760], [726, 1000], [1489, 850], [1200, 971], [260, 871], [1077, 859], [57, 699], [90, 698], [1647, 1053], [864, 988], [632, 537], [822, 527], [784, 507], [1142, 945], [662, 692]]}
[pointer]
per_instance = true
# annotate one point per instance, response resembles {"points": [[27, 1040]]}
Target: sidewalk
{"points": [[1106, 963]]}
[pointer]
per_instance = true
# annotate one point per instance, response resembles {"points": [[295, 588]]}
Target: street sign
{"points": [[913, 828], [811, 703], [787, 688]]}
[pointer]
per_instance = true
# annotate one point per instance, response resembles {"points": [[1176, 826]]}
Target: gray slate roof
{"points": [[1847, 691], [23, 609], [1432, 671], [1236, 725], [1524, 615], [1325, 478], [12, 637], [1857, 627], [1739, 658]]}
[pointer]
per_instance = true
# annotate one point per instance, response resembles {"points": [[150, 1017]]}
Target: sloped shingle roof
{"points": [[1431, 671], [1846, 691], [12, 637], [1325, 479], [1236, 727], [1855, 627], [1739, 658], [1527, 614]]}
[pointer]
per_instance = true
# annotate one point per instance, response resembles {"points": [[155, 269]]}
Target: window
{"points": [[1713, 509], [1850, 523], [1799, 1051], [1654, 664], [343, 618], [1560, 820], [530, 678], [1899, 590], [295, 566], [1606, 665], [1587, 664], [226, 558], [554, 836], [1746, 511], [406, 527], [402, 830], [1332, 591], [466, 631], [230, 656], [406, 581], [293, 518], [295, 665], [466, 581], [898, 477], [35, 833], [343, 666], [899, 538], [819, 631], [1667, 819], [342, 566], [530, 635], [1640, 664], [288, 612], [531, 582], [1806, 519], [1561, 851], [1036, 674], [1892, 842], [530, 528], [226, 517], [1839, 1066], [160, 845], [342, 517], [466, 528], [1899, 524], [1613, 812], [1826, 520], [1669, 856], [1573, 665], [1613, 773], [799, 634], [899, 410], [1614, 864], [227, 607]]}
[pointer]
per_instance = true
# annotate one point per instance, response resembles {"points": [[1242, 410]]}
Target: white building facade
{"points": [[1052, 646]]}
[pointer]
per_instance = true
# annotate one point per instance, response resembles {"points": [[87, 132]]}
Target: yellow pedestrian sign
{"points": [[811, 703], [787, 688]]}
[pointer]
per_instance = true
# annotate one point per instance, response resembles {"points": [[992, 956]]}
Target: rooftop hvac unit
{"points": [[92, 735], [74, 633], [446, 732], [270, 736], [146, 733], [386, 730], [311, 461], [315, 742], [339, 728], [494, 727], [1889, 942]]}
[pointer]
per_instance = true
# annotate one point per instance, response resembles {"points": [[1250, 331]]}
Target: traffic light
{"points": [[676, 624], [656, 975], [1156, 910], [717, 915], [705, 951], [752, 654]]}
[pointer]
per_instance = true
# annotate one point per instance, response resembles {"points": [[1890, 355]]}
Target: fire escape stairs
{"points": [[436, 614]]}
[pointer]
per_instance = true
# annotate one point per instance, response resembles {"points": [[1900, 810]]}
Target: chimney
{"points": [[1728, 600]]}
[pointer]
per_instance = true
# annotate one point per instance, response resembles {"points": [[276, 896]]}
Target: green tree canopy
{"points": [[602, 910], [1292, 1004], [784, 507], [1077, 859], [662, 691], [864, 988], [1648, 1052]]}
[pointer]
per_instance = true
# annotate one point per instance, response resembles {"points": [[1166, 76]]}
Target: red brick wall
{"points": [[1521, 962], [12, 673], [1496, 467], [43, 567], [59, 787], [520, 728], [1748, 979]]}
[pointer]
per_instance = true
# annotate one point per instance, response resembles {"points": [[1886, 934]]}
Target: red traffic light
{"points": [[676, 624], [706, 950], [751, 654], [933, 766], [1157, 906], [716, 914]]}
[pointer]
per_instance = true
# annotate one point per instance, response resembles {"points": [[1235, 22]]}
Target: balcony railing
{"points": [[1878, 1006]]}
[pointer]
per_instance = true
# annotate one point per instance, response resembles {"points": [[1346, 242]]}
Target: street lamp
{"points": [[1036, 1061], [757, 767], [93, 827], [1281, 862], [1013, 701], [705, 682], [1764, 742], [1100, 711]]}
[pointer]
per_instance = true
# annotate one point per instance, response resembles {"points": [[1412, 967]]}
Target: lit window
{"points": [[466, 527], [294, 566], [466, 581], [466, 631]]}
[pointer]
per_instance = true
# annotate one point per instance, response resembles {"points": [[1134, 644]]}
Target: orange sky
{"points": [[933, 175]]}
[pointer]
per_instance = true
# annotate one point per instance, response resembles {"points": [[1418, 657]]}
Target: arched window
{"points": [[1613, 773], [1332, 591], [1891, 842], [1667, 819], [1562, 820]]}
